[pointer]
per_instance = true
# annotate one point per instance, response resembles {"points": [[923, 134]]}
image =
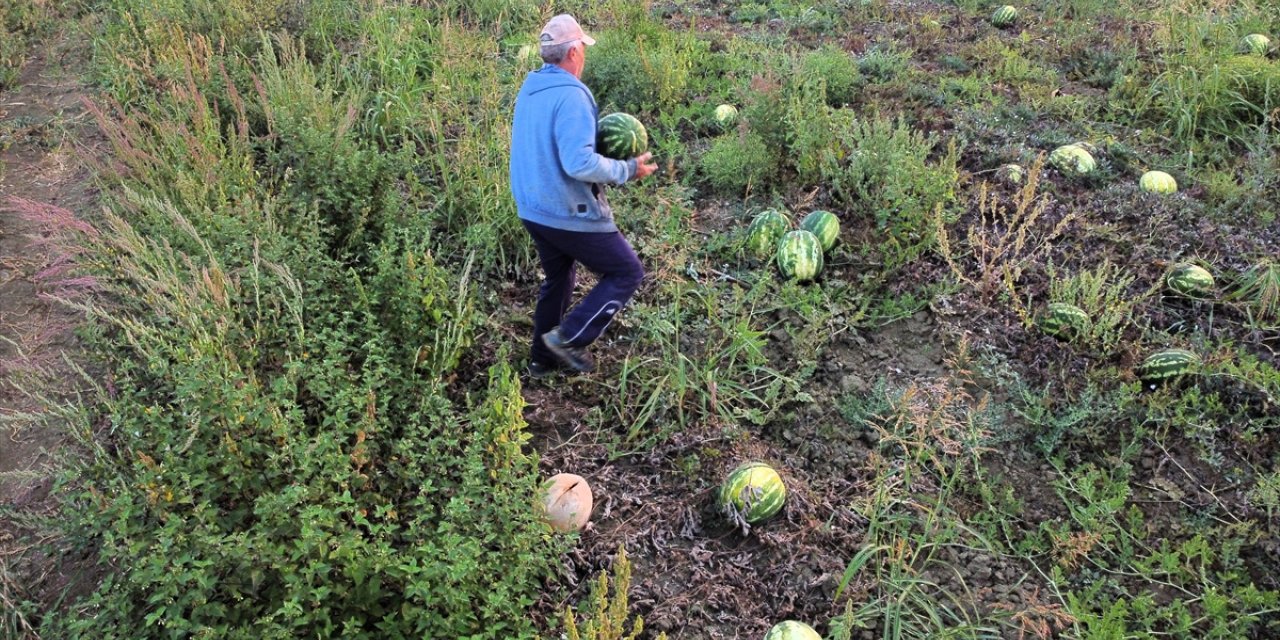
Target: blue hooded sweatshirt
{"points": [[556, 174]]}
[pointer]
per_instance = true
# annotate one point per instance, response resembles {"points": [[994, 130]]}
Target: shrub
{"points": [[885, 172], [836, 69], [739, 162]]}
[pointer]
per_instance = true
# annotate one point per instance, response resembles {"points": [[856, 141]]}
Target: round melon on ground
{"points": [[754, 491], [1158, 182], [726, 114], [1191, 280], [1004, 17], [800, 255], [823, 224], [621, 136], [766, 229], [1063, 320], [1072, 159], [566, 502], [1255, 44], [1011, 173], [1167, 364], [792, 630]]}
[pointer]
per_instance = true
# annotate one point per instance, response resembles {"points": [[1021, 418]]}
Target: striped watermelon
{"points": [[1072, 159], [726, 114], [1255, 44], [792, 630], [823, 224], [800, 255], [1190, 280], [1004, 17], [1166, 365], [1063, 320], [765, 231], [754, 491], [621, 136], [1158, 182]]}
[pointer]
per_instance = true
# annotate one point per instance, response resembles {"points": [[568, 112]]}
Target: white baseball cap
{"points": [[561, 29]]}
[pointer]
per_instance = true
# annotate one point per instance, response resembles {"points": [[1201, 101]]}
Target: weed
{"points": [[884, 170], [1103, 292], [1004, 242], [1258, 289], [739, 163], [608, 613]]}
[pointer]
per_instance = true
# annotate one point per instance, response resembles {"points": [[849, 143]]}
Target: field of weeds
{"points": [[303, 301]]}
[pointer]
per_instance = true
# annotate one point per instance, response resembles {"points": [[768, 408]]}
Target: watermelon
{"points": [[824, 225], [754, 491], [1158, 182], [1063, 320], [1004, 17], [1087, 146], [1166, 365], [1190, 280], [1011, 173], [792, 630], [726, 114], [621, 136], [800, 255], [765, 231], [1072, 159], [1255, 44]]}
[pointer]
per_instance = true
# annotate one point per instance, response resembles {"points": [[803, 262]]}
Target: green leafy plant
{"points": [[1105, 293], [886, 171], [608, 612]]}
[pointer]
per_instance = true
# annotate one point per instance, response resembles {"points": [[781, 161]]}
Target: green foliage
{"points": [[738, 162], [703, 364], [883, 64], [644, 67], [325, 165], [886, 171], [836, 69], [21, 22], [287, 465], [1258, 290], [1105, 293]]}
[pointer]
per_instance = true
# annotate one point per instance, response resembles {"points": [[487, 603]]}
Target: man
{"points": [[557, 180]]}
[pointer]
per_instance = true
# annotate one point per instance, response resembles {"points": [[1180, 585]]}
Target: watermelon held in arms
{"points": [[1158, 182], [1073, 159], [1004, 17], [754, 491], [792, 630], [621, 136], [1065, 321], [823, 224], [800, 255], [1166, 365], [765, 231], [1255, 44], [1190, 280]]}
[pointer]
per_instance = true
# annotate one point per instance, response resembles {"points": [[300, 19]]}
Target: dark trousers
{"points": [[608, 255]]}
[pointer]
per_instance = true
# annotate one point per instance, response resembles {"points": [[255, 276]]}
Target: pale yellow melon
{"points": [[566, 502]]}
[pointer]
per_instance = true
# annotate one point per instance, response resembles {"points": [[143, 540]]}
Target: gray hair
{"points": [[555, 53]]}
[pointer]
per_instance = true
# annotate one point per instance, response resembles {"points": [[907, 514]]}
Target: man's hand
{"points": [[645, 165]]}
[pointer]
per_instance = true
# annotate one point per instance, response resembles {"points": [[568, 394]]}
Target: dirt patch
{"points": [[43, 186]]}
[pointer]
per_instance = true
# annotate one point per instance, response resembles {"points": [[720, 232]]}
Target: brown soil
{"points": [[43, 185]]}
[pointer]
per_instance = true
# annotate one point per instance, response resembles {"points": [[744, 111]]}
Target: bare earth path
{"points": [[43, 132]]}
